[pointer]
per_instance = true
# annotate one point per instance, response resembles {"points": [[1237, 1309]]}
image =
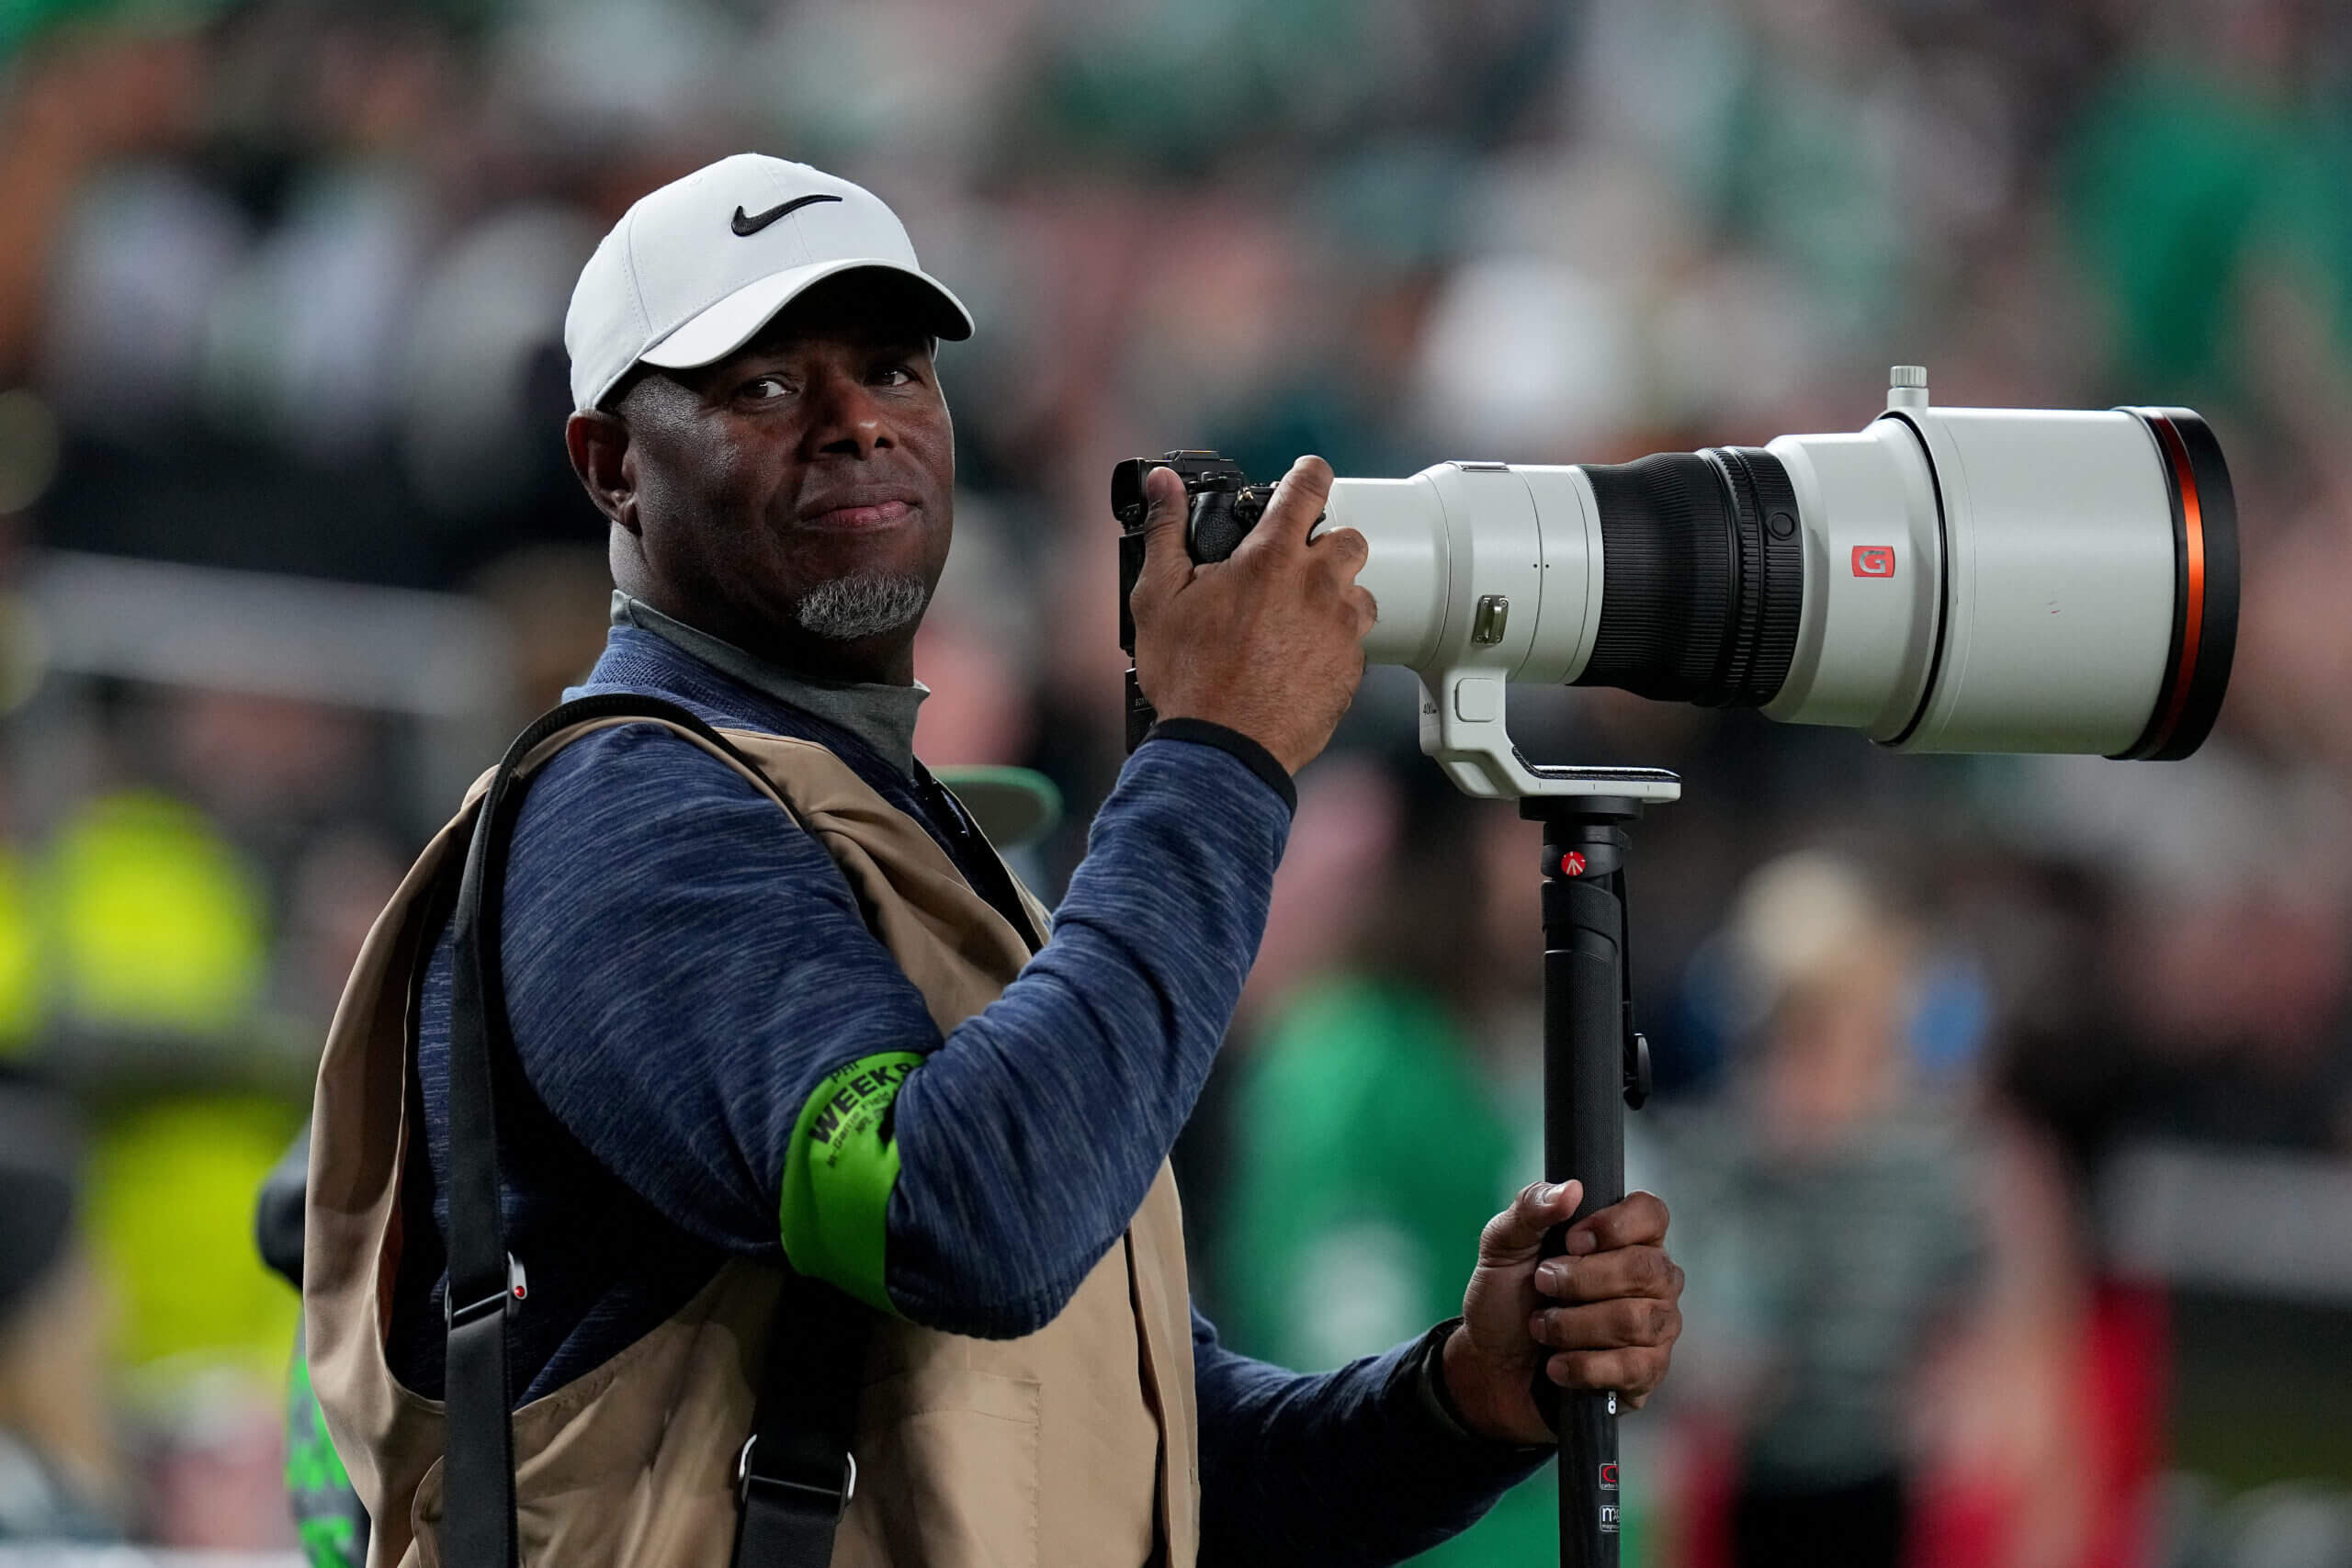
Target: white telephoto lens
{"points": [[1945, 580], [2014, 579]]}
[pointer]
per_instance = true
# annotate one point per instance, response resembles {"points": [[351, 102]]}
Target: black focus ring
{"points": [[1665, 581], [1744, 538], [1703, 577], [1780, 579], [1753, 589]]}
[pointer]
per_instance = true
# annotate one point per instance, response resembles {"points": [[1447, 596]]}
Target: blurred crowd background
{"points": [[2005, 1104]]}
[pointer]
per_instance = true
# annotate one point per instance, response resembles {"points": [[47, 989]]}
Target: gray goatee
{"points": [[862, 605]]}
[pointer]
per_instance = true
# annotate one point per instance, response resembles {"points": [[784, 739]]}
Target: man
{"points": [[790, 1008]]}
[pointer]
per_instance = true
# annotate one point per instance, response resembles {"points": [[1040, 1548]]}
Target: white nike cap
{"points": [[695, 268]]}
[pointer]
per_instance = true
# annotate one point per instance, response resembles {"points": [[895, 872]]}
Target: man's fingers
{"points": [[1605, 1276], [1634, 1373], [1344, 549], [1298, 504], [1517, 1234], [1338, 556], [1638, 1220], [1623, 1324], [1165, 561]]}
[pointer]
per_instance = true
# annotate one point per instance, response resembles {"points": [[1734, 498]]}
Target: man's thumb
{"points": [[1515, 1235], [1165, 561]]}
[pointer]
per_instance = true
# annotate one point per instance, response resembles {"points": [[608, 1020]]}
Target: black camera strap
{"points": [[795, 1475]]}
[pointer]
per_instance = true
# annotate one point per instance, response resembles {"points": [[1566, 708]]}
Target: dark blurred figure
{"points": [[1826, 1202], [58, 1474]]}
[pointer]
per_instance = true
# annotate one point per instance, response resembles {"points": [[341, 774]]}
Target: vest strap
{"points": [[795, 1476]]}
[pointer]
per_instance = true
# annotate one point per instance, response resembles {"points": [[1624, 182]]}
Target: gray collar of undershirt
{"points": [[881, 716]]}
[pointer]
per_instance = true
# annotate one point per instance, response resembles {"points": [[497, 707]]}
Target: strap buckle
{"points": [[519, 1285], [836, 1499]]}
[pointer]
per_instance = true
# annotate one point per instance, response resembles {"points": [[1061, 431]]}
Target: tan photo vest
{"points": [[1074, 1446]]}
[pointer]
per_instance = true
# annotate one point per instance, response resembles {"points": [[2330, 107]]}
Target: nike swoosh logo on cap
{"points": [[748, 226]]}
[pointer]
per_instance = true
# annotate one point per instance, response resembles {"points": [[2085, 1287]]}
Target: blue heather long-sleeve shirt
{"points": [[685, 967]]}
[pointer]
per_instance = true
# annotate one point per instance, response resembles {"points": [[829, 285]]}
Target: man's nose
{"points": [[846, 419]]}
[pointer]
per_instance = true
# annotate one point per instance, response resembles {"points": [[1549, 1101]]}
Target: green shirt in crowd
{"points": [[1369, 1153]]}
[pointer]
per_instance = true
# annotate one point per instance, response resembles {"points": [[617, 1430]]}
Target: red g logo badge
{"points": [[1873, 560]]}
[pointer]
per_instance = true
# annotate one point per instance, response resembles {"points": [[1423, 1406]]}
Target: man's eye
{"points": [[761, 389], [894, 376]]}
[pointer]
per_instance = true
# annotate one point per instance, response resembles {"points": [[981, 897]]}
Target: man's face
{"points": [[796, 498]]}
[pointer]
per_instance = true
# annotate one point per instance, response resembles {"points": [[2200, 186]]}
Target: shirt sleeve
{"points": [[697, 997], [1356, 1466]]}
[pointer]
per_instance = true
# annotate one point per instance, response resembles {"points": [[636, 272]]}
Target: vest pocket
{"points": [[947, 1473]]}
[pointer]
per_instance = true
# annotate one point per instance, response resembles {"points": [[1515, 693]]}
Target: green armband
{"points": [[838, 1173]]}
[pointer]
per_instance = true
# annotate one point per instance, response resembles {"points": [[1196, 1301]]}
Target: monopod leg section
{"points": [[1586, 1027]]}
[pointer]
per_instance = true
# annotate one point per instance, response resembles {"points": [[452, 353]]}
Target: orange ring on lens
{"points": [[2192, 519]]}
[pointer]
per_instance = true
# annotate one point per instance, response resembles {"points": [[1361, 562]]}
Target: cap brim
{"points": [[721, 329]]}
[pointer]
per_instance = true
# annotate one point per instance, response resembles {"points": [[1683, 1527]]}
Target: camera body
{"points": [[1944, 579], [1224, 507]]}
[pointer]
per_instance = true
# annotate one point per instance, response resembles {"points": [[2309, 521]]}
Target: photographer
{"points": [[784, 1005]]}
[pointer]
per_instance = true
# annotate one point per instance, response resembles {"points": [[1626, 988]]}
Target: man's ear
{"points": [[598, 442]]}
